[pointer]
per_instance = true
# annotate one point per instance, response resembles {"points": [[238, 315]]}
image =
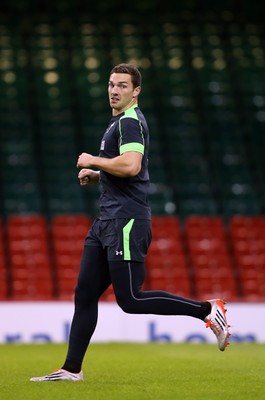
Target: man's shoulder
{"points": [[132, 112]]}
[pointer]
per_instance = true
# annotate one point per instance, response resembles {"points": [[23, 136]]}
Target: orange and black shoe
{"points": [[218, 323]]}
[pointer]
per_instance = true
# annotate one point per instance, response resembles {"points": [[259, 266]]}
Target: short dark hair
{"points": [[131, 70]]}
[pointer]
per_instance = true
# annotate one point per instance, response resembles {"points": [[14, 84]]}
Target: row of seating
{"points": [[203, 96], [200, 257]]}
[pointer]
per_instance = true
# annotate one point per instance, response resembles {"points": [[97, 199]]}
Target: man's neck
{"points": [[133, 103]]}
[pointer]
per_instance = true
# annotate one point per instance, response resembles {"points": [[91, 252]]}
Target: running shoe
{"points": [[60, 375], [218, 323]]}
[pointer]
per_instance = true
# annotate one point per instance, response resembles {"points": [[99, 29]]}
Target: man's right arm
{"points": [[88, 177]]}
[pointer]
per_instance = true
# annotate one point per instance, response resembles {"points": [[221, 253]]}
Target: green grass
{"points": [[137, 372]]}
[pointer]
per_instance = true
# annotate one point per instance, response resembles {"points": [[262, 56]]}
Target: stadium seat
{"points": [[210, 258], [167, 267], [19, 184], [248, 245], [68, 232], [3, 265], [30, 261]]}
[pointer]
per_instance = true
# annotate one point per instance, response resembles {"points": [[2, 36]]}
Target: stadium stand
{"points": [[213, 273], [248, 244], [3, 265], [30, 262], [167, 267], [68, 233], [204, 98]]}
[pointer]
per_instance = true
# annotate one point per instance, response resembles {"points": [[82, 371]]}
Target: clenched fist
{"points": [[85, 160]]}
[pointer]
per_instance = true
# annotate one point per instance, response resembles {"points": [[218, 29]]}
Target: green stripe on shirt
{"points": [[132, 147]]}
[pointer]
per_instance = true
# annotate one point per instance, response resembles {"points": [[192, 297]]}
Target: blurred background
{"points": [[203, 67]]}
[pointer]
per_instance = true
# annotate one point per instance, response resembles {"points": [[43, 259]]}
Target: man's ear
{"points": [[137, 91]]}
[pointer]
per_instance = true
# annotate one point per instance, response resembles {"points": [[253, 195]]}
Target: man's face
{"points": [[121, 92]]}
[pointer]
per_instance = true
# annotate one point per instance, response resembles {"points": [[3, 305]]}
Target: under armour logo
{"points": [[119, 253]]}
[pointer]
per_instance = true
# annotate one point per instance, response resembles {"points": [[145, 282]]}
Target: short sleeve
{"points": [[131, 136]]}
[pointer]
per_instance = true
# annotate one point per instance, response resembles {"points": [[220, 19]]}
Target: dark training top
{"points": [[125, 197]]}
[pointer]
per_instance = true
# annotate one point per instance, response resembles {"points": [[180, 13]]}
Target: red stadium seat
{"points": [[29, 258], [210, 258], [3, 265], [248, 245], [167, 267], [68, 235]]}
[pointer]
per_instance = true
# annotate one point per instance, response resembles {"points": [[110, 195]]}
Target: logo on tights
{"points": [[119, 252]]}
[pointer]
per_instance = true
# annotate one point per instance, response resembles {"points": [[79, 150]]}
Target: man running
{"points": [[116, 245]]}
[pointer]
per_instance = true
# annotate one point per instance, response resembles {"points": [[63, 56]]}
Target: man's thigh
{"points": [[94, 275]]}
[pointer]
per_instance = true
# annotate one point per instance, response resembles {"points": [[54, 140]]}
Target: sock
{"points": [[206, 309], [72, 366]]}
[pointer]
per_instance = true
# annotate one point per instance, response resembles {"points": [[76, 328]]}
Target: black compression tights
{"points": [[96, 274]]}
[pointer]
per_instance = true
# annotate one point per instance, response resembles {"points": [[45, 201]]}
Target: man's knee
{"points": [[128, 305], [84, 296]]}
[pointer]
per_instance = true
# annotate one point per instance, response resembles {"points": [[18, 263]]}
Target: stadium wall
{"points": [[43, 322]]}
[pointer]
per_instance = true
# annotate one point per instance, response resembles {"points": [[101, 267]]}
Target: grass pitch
{"points": [[137, 372]]}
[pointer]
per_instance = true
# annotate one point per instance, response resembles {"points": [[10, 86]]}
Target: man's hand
{"points": [[88, 177], [85, 160]]}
